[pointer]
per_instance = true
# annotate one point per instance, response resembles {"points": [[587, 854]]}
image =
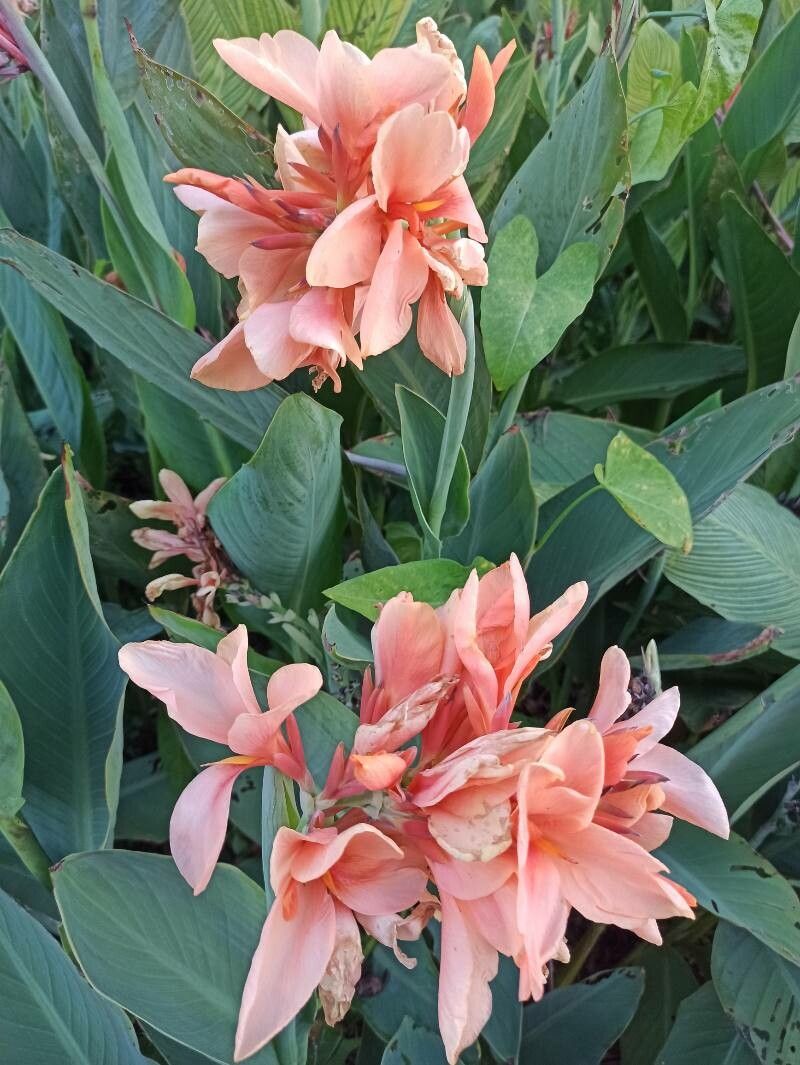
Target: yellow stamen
{"points": [[428, 205]]}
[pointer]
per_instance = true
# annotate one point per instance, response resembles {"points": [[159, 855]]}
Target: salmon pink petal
{"points": [[275, 352], [471, 880], [204, 498], [301, 148], [407, 644], [283, 66], [289, 962], [318, 319], [480, 96], [347, 252], [378, 772], [577, 753], [402, 76], [290, 687], [195, 684], [468, 964], [613, 697], [175, 489], [542, 913], [270, 276], [318, 851], [230, 365], [416, 154], [457, 205], [478, 668], [388, 929], [199, 822], [225, 231], [658, 716], [233, 650], [502, 59], [543, 628], [228, 189], [398, 281], [652, 830], [338, 983], [440, 337], [689, 792]]}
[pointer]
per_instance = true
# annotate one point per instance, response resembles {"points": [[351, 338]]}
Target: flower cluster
{"points": [[13, 60], [371, 193], [442, 808], [193, 539]]}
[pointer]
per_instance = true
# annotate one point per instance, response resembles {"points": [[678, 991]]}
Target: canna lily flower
{"points": [[323, 882], [13, 60], [210, 694], [371, 189], [565, 859], [642, 774], [194, 539]]}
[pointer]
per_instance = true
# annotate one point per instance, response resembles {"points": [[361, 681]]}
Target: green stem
{"points": [[565, 513], [508, 410], [455, 423], [580, 954], [672, 14], [646, 593], [691, 296], [557, 45], [27, 847]]}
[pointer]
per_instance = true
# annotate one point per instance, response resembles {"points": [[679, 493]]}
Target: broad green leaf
{"points": [[430, 581], [760, 991], [502, 506], [23, 193], [42, 340], [422, 433], [768, 99], [146, 798], [155, 24], [48, 1013], [565, 448], [647, 492], [732, 26], [523, 317], [179, 963], [756, 747], [280, 517], [22, 885], [745, 564], [569, 185], [59, 664], [576, 1025], [503, 1031], [708, 458], [323, 721], [668, 980], [369, 24], [411, 1042], [20, 462], [659, 280], [139, 336], [732, 881], [649, 370], [344, 642], [230, 19], [658, 136], [713, 642], [704, 1035], [404, 993], [12, 756], [199, 128], [653, 70], [764, 288]]}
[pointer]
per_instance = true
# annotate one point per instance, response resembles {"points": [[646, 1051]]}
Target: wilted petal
{"points": [[468, 964], [338, 983]]}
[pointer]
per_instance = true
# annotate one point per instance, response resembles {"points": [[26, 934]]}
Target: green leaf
{"points": [[179, 963], [59, 664], [713, 642], [48, 1013], [767, 101], [708, 458], [20, 462], [649, 370], [404, 993], [430, 581], [287, 497], [564, 447], [756, 747], [502, 506], [704, 1035], [523, 317], [490, 152], [199, 128], [647, 492], [146, 798], [764, 288], [745, 564], [422, 433], [503, 1031], [230, 19], [42, 341], [344, 642], [412, 1042], [732, 26], [668, 980], [138, 335], [368, 24], [732, 881], [569, 185], [576, 1025], [658, 278], [12, 756], [653, 70], [760, 991]]}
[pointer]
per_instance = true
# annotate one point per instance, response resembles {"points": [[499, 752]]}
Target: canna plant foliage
{"points": [[399, 532]]}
